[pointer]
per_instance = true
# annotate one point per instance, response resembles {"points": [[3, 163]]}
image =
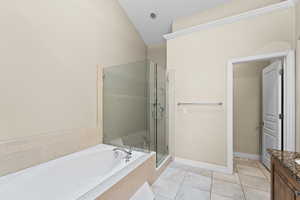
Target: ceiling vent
{"points": [[153, 15]]}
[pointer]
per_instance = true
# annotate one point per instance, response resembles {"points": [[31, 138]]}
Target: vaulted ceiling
{"points": [[165, 11]]}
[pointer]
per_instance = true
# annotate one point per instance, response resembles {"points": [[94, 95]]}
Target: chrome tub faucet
{"points": [[127, 152]]}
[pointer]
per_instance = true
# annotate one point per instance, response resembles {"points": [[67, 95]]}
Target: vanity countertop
{"points": [[287, 159]]}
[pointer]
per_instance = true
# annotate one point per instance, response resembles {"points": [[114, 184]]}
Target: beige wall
{"points": [[298, 74], [49, 52], [298, 97], [233, 7], [49, 55], [157, 54], [248, 106], [200, 61], [298, 20]]}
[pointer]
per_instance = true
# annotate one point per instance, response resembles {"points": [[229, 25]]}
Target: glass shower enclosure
{"points": [[134, 107]]}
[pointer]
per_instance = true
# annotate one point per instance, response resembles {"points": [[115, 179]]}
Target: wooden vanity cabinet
{"points": [[284, 186]]}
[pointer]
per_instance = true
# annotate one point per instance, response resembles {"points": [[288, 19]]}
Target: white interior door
{"points": [[272, 91]]}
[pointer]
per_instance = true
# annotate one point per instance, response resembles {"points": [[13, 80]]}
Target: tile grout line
{"points": [[268, 178], [262, 170], [211, 185], [259, 167], [243, 189], [237, 171], [181, 184]]}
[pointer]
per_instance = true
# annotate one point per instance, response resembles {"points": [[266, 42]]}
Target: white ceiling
{"points": [[152, 31]]}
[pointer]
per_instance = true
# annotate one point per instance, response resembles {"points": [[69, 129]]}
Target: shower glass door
{"points": [[134, 107], [125, 111], [161, 139]]}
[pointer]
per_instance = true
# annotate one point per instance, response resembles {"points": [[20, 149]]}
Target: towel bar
{"points": [[201, 103]]}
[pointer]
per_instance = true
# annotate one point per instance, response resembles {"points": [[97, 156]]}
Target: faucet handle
{"points": [[130, 149]]}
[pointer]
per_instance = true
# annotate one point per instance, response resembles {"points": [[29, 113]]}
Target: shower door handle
{"points": [[154, 105], [153, 114], [162, 109]]}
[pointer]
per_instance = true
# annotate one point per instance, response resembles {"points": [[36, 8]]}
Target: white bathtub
{"points": [[84, 175]]}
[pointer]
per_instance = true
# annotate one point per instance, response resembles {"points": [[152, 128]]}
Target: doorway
{"points": [[286, 129], [258, 106]]}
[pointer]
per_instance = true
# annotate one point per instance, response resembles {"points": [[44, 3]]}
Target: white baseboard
{"points": [[203, 165], [247, 155]]}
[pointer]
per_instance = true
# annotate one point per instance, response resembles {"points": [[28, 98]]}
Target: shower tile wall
{"points": [[26, 152]]}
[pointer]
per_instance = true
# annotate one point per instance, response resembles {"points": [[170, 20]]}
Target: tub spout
{"points": [[127, 152]]}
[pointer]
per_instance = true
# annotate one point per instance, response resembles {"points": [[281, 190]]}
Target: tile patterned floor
{"points": [[251, 181]]}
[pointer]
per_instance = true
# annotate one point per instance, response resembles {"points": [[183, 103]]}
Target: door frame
{"points": [[289, 132]]}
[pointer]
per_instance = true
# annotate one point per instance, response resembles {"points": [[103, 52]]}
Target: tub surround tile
{"points": [[89, 137], [128, 185], [59, 147], [22, 153], [20, 160]]}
